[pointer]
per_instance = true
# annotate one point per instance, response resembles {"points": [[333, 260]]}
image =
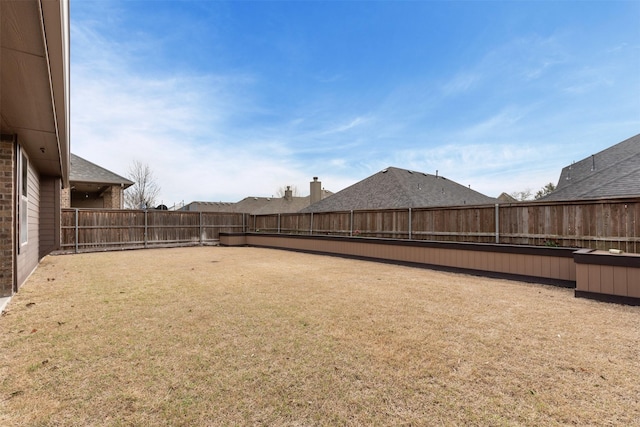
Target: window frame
{"points": [[23, 197]]}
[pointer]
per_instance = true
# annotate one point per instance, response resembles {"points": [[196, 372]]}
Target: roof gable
{"points": [[613, 172], [254, 205], [271, 205], [84, 171], [394, 188]]}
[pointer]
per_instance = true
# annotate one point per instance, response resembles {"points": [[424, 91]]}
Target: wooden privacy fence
{"points": [[101, 229], [596, 224]]}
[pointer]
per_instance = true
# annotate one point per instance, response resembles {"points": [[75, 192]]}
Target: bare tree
{"points": [[521, 196], [142, 194], [294, 191], [527, 193]]}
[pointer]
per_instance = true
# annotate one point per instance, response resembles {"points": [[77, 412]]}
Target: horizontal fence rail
{"points": [[84, 230], [594, 224]]}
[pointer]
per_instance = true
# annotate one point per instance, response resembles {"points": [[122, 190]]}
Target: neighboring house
{"points": [[506, 198], [265, 205], [92, 186], [394, 188], [611, 173], [209, 207], [253, 205], [34, 133]]}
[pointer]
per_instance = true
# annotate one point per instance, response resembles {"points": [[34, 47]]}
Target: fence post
{"points": [[254, 223], [497, 223], [200, 228], [244, 226], [278, 223], [311, 227], [351, 223], [76, 230], [145, 228], [410, 226]]}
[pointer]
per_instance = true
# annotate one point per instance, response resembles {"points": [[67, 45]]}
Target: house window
{"points": [[24, 201]]}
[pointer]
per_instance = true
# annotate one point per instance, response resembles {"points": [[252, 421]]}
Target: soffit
{"points": [[26, 90]]}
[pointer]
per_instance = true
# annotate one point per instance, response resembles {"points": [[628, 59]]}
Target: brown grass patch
{"points": [[246, 336]]}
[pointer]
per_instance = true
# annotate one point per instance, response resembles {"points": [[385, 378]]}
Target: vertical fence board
{"points": [[598, 224], [103, 229]]}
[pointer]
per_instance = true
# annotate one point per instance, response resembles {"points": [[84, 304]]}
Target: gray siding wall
{"points": [[49, 215], [28, 257]]}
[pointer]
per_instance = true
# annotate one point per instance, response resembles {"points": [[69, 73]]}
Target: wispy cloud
{"points": [[178, 124], [460, 83], [348, 126], [508, 118], [489, 168], [491, 128]]}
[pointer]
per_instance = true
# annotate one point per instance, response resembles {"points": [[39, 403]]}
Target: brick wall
{"points": [[65, 197], [112, 197], [7, 254]]}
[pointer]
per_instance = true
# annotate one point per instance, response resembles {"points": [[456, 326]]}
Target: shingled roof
{"points": [[256, 205], [84, 171], [253, 205], [394, 188], [613, 172], [270, 205], [210, 206]]}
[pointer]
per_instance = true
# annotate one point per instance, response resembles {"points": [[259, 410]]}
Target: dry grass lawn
{"points": [[247, 336]]}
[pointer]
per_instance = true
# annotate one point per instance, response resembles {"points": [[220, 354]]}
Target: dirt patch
{"points": [[236, 336]]}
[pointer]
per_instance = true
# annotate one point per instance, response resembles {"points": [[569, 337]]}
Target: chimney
{"points": [[316, 190], [288, 194]]}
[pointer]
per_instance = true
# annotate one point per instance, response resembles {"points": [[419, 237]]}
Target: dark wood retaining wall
{"points": [[529, 263], [605, 276], [595, 274]]}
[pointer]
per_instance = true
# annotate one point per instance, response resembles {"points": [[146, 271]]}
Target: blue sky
{"points": [[231, 99]]}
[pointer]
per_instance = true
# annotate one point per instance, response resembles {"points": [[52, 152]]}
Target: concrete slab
{"points": [[3, 302]]}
